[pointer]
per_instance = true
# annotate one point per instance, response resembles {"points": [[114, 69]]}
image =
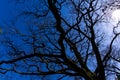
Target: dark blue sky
{"points": [[8, 11]]}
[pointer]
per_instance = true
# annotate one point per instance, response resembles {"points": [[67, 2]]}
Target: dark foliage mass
{"points": [[63, 37]]}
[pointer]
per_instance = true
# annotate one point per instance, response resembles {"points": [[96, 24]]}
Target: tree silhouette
{"points": [[63, 38]]}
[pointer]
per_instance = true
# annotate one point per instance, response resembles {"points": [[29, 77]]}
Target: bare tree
{"points": [[63, 38]]}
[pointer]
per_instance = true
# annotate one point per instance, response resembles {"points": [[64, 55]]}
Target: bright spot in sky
{"points": [[116, 15], [116, 20]]}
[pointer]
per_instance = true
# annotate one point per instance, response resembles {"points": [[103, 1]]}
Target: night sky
{"points": [[8, 11]]}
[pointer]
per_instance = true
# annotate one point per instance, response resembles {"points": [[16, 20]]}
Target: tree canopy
{"points": [[64, 37]]}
